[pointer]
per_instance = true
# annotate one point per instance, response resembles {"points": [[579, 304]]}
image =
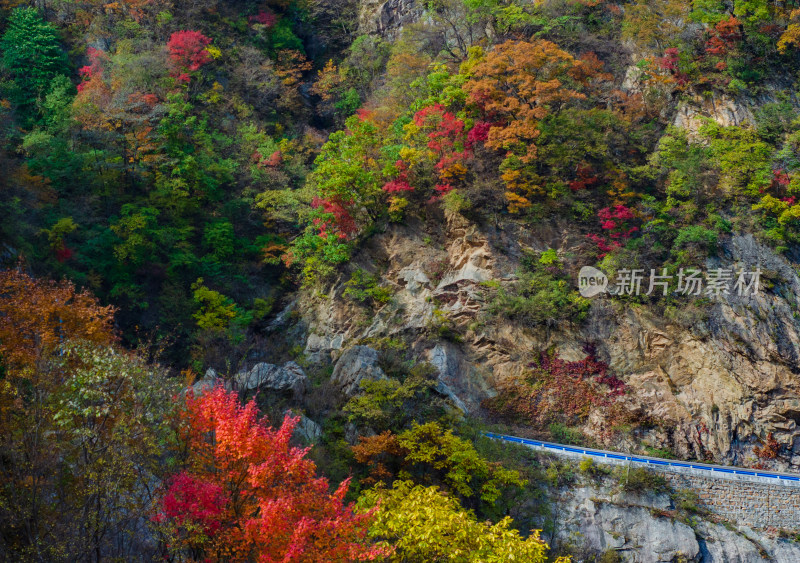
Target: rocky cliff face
{"points": [[386, 17], [648, 528], [717, 384], [717, 380]]}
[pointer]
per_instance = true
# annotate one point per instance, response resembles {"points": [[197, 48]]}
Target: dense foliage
{"points": [[189, 166], [83, 428], [178, 169]]}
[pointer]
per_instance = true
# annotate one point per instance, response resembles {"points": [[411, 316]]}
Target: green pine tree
{"points": [[32, 56]]}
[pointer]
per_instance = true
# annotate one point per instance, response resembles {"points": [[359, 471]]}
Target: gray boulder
{"points": [[210, 380], [351, 433], [355, 365], [288, 378], [743, 545], [307, 430], [457, 379]]}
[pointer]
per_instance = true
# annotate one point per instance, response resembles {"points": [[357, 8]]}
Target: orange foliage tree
{"points": [[514, 86], [791, 36], [381, 454], [37, 316], [246, 494]]}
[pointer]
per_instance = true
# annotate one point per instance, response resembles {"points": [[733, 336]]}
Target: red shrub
{"points": [[670, 62], [273, 161], [341, 223], [187, 52], [63, 253], [94, 69], [263, 18], [585, 178], [557, 390], [399, 184], [615, 222], [723, 37], [478, 134]]}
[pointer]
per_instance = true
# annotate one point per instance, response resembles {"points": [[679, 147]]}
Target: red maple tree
{"points": [[723, 37], [339, 223], [246, 494], [400, 183], [448, 140], [188, 53]]}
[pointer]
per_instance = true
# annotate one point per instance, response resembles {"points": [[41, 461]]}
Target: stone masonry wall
{"points": [[756, 505], [753, 501]]}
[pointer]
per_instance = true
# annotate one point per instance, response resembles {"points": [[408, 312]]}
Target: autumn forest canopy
{"points": [[176, 176]]}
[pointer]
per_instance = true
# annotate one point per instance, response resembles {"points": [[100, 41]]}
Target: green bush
{"points": [[641, 480], [565, 435], [693, 244], [695, 234], [588, 467], [444, 327], [363, 287], [538, 297], [262, 307], [773, 121], [456, 202], [548, 257], [349, 102], [658, 452], [687, 501], [610, 556], [392, 404], [559, 473]]}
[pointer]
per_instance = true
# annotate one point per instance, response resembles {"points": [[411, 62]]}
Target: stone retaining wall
{"points": [[757, 505], [754, 501]]}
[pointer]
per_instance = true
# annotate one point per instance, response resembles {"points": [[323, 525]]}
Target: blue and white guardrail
{"points": [[702, 469]]}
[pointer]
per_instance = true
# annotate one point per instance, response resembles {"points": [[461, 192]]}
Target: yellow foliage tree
{"points": [[424, 524], [790, 37]]}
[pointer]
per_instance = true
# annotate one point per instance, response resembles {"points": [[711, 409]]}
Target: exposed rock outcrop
{"points": [[642, 528], [307, 430], [354, 366], [597, 524], [726, 380], [719, 544], [387, 17], [725, 110], [717, 384], [208, 381], [457, 377], [288, 378]]}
